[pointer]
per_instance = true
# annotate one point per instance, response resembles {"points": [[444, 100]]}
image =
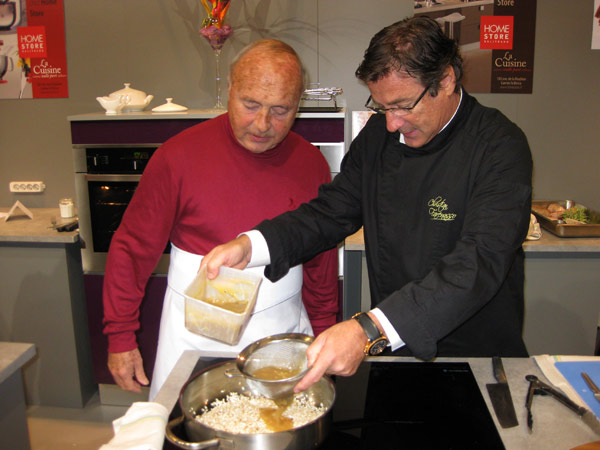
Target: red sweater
{"points": [[200, 189]]}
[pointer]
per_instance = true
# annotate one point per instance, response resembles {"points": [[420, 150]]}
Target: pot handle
{"points": [[185, 444]]}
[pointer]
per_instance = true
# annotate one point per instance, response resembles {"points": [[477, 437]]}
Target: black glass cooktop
{"points": [[404, 405]]}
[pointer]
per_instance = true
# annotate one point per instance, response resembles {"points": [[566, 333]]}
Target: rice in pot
{"points": [[241, 414]]}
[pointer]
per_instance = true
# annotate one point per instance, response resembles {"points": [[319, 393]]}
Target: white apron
{"points": [[279, 309]]}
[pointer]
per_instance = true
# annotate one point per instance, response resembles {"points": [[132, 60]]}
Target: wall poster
{"points": [[33, 60], [496, 39]]}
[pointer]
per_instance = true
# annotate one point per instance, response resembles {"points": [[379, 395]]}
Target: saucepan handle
{"points": [[185, 444]]}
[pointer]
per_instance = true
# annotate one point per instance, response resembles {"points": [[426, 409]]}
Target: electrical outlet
{"points": [[27, 186]]}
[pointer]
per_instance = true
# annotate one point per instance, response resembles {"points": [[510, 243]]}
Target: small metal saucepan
{"points": [[213, 383]]}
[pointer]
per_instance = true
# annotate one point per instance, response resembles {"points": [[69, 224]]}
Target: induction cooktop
{"points": [[403, 405]]}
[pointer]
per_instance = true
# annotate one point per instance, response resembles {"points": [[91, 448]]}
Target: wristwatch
{"points": [[376, 342]]}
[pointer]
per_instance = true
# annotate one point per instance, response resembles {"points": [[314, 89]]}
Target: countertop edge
{"points": [[13, 355]]}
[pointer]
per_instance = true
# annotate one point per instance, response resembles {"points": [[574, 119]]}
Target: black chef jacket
{"points": [[444, 226]]}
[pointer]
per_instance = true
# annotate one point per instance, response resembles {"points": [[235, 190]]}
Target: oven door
{"points": [[102, 201]]}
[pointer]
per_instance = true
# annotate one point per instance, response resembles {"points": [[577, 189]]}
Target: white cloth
{"points": [[279, 309], [534, 233], [141, 428]]}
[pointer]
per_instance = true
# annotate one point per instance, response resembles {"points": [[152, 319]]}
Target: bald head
{"points": [[268, 56]]}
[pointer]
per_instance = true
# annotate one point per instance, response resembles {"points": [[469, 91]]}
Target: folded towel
{"points": [[141, 428], [534, 232]]}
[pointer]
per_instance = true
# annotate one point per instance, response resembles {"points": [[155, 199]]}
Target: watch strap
{"points": [[368, 325]]}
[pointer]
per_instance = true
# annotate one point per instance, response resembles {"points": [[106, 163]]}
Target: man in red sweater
{"points": [[205, 186]]}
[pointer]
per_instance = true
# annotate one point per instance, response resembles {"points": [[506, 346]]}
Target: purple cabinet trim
{"points": [[157, 131]]}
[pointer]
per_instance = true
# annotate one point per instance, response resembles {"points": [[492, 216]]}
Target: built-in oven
{"points": [[105, 180]]}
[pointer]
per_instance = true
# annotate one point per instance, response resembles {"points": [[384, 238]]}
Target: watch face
{"points": [[378, 346]]}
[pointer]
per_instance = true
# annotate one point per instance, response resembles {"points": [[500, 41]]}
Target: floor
{"points": [[53, 428]]}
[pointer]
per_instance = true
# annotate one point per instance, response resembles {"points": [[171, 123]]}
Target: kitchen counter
{"points": [[561, 291], [43, 302], [555, 426], [13, 412], [20, 228]]}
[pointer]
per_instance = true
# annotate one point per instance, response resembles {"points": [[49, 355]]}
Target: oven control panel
{"points": [[118, 160]]}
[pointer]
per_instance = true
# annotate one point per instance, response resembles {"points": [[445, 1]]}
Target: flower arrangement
{"points": [[212, 26], [216, 12]]}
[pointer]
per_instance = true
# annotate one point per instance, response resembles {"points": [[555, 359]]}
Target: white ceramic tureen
{"points": [[135, 100]]}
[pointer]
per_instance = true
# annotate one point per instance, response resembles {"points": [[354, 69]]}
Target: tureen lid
{"points": [[169, 107]]}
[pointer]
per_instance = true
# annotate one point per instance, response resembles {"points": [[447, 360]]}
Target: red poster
{"points": [[33, 61], [496, 32]]}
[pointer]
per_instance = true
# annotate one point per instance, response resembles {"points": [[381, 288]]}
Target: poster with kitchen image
{"points": [[496, 40], [33, 61]]}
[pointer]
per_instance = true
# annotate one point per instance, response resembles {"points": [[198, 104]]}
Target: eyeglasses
{"points": [[398, 111]]}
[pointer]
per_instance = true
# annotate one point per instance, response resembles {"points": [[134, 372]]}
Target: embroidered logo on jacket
{"points": [[438, 208]]}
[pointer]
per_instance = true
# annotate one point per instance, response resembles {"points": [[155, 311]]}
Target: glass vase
{"points": [[216, 37]]}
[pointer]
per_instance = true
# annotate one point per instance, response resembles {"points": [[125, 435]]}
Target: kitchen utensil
{"points": [[281, 352], [592, 385], [500, 396], [536, 386], [212, 383]]}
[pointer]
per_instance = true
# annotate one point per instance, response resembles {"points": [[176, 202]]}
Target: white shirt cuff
{"points": [[395, 340], [260, 249]]}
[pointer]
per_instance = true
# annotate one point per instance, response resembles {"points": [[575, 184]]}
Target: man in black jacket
{"points": [[442, 187]]}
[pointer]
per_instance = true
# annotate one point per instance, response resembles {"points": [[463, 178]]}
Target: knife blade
{"points": [[500, 396], [592, 385]]}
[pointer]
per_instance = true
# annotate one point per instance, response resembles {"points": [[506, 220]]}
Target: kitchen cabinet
{"points": [[140, 131], [43, 303]]}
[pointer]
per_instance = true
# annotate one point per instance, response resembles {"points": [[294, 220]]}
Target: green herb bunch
{"points": [[577, 213]]}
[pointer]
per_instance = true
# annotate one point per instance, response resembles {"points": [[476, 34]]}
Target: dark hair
{"points": [[417, 46]]}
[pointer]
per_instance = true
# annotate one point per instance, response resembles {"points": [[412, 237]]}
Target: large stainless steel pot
{"points": [[212, 383]]}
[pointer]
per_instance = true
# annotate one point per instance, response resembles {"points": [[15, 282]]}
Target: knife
{"points": [[592, 385], [500, 396]]}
